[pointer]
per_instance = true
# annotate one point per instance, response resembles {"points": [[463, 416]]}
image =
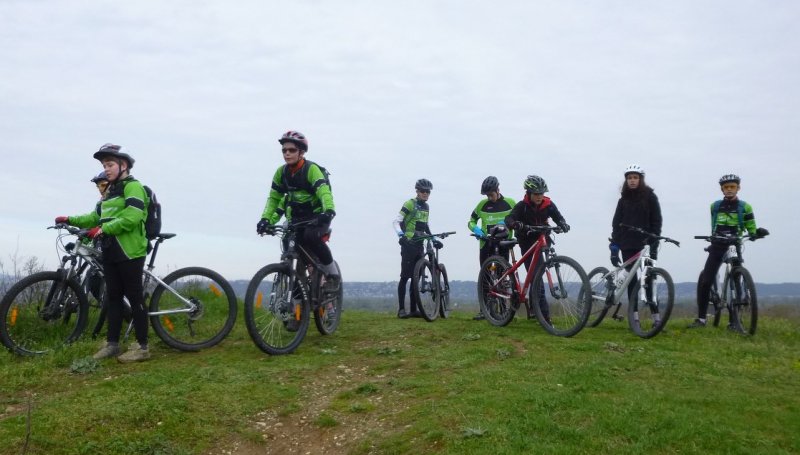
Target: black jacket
{"points": [[642, 212], [532, 215]]}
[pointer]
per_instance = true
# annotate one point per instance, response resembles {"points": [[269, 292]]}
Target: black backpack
{"points": [[152, 225], [304, 178]]}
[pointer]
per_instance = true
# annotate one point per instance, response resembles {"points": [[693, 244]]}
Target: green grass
{"points": [[383, 385]]}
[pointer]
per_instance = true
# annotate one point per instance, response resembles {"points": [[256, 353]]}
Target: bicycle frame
{"points": [[640, 264], [536, 251]]}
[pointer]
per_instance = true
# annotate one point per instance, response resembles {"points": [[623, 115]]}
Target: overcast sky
{"points": [[388, 92]]}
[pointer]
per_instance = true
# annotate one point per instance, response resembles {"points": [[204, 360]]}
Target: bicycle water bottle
{"points": [[621, 275]]}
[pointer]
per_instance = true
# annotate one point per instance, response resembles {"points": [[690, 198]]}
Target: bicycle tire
{"points": [[744, 301], [649, 319], [95, 295], [329, 313], [444, 293], [569, 303], [207, 325], [600, 292], [714, 304], [278, 325], [426, 289], [38, 313], [498, 311]]}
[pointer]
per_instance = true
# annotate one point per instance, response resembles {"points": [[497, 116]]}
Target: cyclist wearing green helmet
{"points": [[488, 218], [120, 223], [730, 216]]}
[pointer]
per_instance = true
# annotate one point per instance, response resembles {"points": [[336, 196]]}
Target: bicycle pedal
{"points": [[619, 318]]}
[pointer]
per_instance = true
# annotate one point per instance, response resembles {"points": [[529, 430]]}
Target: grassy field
{"points": [[383, 385]]}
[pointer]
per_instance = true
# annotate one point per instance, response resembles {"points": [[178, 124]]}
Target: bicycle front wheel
{"points": [[563, 308], [648, 313], [496, 296], [275, 312], [42, 312], [329, 313], [714, 311], [600, 293], [444, 293], [426, 289], [743, 302], [196, 310]]}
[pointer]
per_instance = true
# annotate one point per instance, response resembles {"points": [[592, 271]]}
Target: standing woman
{"points": [[637, 206], [120, 221]]}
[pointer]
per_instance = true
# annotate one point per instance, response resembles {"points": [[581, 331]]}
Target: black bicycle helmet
{"points": [[114, 151], [489, 184], [423, 184], [727, 178], [296, 138], [535, 184], [101, 177]]}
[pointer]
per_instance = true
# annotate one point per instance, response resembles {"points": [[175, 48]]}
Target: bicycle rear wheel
{"points": [[276, 316], [444, 293], [209, 321], [743, 301], [426, 289], [600, 293], [649, 317], [567, 296], [329, 313], [94, 286], [42, 312], [496, 296]]}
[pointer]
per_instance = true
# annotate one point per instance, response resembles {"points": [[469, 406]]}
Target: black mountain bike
{"points": [[430, 284], [190, 309], [281, 296]]}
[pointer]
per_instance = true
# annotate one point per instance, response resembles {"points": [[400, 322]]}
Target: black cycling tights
{"points": [[125, 279], [311, 239]]}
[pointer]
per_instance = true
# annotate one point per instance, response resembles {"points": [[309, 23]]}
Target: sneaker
{"points": [[415, 314], [108, 350], [479, 317], [401, 313], [697, 324], [135, 353]]}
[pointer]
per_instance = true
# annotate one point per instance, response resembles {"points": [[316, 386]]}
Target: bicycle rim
{"points": [[209, 321], [444, 293], [426, 289], [277, 317], [329, 313], [744, 306], [600, 292], [648, 317], [41, 313], [563, 306], [496, 297]]}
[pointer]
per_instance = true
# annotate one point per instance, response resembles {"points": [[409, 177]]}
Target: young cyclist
{"points": [[730, 216], [489, 213], [534, 210], [119, 223], [101, 182], [303, 188], [411, 221], [637, 206]]}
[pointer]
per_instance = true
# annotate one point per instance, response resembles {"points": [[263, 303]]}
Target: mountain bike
{"points": [[738, 294], [281, 296], [650, 310], [555, 286], [190, 309], [430, 284]]}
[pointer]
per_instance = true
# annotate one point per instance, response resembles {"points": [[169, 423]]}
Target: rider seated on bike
{"points": [[730, 217], [305, 190], [412, 221], [534, 210], [490, 213], [637, 206], [120, 220]]}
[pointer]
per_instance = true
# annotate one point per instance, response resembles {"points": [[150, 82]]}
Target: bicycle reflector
{"points": [[259, 298], [14, 312], [168, 324], [215, 290]]}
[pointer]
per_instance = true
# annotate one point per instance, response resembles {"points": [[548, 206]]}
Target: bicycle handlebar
{"points": [[275, 229], [651, 235], [730, 239], [541, 228], [82, 233], [442, 235]]}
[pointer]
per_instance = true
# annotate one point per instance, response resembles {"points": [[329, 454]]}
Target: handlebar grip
{"points": [[701, 237]]}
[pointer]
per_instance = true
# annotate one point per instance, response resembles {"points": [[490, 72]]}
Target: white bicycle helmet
{"points": [[634, 168]]}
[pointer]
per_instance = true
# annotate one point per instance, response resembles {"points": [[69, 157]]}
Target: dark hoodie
{"points": [[532, 215]]}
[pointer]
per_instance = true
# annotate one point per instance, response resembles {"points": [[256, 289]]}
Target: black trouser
{"points": [[125, 279], [310, 238], [627, 254], [708, 276], [409, 255], [524, 247], [488, 250]]}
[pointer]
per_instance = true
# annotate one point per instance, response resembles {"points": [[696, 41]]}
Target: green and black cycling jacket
{"points": [[121, 214], [304, 192], [415, 214], [726, 220], [491, 213]]}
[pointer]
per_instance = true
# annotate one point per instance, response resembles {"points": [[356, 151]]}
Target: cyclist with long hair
{"points": [[303, 189], [489, 215], [119, 223], [730, 217], [637, 206]]}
